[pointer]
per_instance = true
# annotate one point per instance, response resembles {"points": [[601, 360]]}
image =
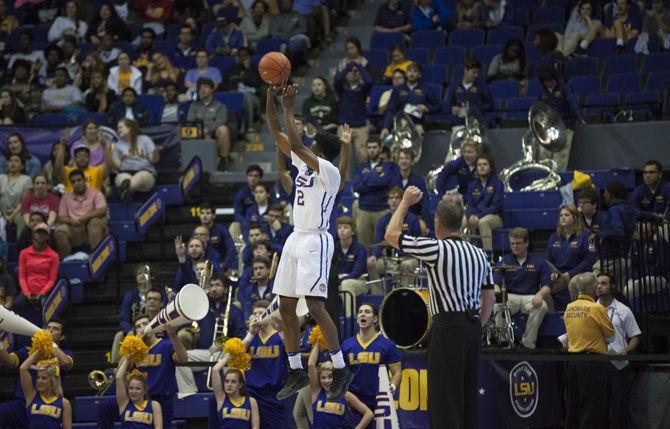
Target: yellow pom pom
{"points": [[134, 349], [44, 342], [316, 337], [239, 358], [48, 363]]}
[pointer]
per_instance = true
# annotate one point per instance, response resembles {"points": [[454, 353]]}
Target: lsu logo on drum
{"points": [[523, 389]]}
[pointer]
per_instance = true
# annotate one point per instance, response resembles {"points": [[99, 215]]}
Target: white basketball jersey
{"points": [[314, 194]]}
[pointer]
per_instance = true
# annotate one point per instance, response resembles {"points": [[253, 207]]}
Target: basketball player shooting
{"points": [[306, 258]]}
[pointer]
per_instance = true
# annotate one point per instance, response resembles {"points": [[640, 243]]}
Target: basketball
{"points": [[274, 68]]}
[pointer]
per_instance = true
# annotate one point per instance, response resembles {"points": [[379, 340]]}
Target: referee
{"points": [[459, 276]]}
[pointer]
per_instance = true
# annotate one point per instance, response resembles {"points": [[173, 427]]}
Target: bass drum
{"points": [[405, 318]]}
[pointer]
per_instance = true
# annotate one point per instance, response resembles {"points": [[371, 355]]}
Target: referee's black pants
{"points": [[453, 361]]}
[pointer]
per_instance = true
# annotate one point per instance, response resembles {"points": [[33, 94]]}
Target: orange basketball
{"points": [[274, 68]]}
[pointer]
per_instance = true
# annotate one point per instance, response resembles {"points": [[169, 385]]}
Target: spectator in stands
{"points": [[90, 64], [425, 17], [649, 269], [38, 268], [244, 199], [145, 51], [98, 97], [413, 98], [622, 22], [28, 94], [211, 254], [16, 145], [318, 18], [26, 238], [8, 22], [408, 178], [582, 29], [225, 38], [161, 72], [256, 213], [528, 285], [202, 70], [399, 61], [558, 95], [509, 64], [592, 218], [376, 262], [107, 22], [497, 12], [568, 251], [277, 228], [351, 260], [292, 26], [546, 42], [54, 60], [50, 170], [256, 26], [353, 53], [155, 14], [320, 108], [653, 195], [72, 58], [399, 78], [134, 157], [11, 113], [219, 237], [171, 111], [257, 234], [95, 174], [470, 14], [393, 16], [213, 116], [68, 23], [259, 286], [371, 181], [188, 260], [353, 84], [25, 51], [128, 107], [13, 185], [471, 93], [7, 285], [657, 22], [124, 76], [109, 53], [82, 216], [484, 201], [184, 47], [63, 97], [40, 200], [243, 77]]}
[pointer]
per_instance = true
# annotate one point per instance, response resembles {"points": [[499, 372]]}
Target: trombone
{"points": [[220, 335]]}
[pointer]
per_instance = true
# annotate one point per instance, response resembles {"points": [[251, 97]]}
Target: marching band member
{"points": [[331, 414], [365, 352], [219, 237], [13, 413], [235, 408], [46, 406], [188, 258], [258, 287], [135, 409]]}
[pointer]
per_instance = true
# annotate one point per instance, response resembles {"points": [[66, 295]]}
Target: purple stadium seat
{"points": [[549, 15], [435, 73], [601, 48], [505, 89], [618, 64], [386, 40], [449, 55], [501, 35], [658, 81], [485, 53], [580, 66], [659, 61], [379, 58], [418, 55], [623, 83], [466, 38], [428, 39], [583, 86], [601, 106]]}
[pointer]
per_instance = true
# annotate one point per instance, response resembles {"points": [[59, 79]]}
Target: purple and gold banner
{"points": [[56, 301], [150, 212], [102, 256], [191, 177]]}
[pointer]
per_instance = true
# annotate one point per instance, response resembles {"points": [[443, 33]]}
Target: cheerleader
{"points": [[135, 409], [46, 406], [331, 414], [235, 409]]}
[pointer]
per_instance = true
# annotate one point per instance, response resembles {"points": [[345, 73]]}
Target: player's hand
{"points": [[345, 135], [273, 90], [288, 96], [412, 195]]}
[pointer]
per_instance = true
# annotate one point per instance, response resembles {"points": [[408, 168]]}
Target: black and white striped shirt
{"points": [[457, 271]]}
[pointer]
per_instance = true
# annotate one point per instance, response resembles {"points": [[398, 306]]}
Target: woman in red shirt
{"points": [[38, 266]]}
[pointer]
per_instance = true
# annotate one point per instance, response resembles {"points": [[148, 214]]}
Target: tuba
{"points": [[100, 381], [143, 279], [545, 130], [405, 135]]}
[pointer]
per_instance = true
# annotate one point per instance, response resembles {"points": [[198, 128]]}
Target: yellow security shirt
{"points": [[587, 326], [93, 175]]}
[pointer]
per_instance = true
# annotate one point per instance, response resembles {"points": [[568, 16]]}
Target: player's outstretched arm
{"points": [[306, 155], [272, 121]]}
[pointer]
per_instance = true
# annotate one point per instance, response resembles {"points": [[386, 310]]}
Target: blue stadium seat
{"points": [[269, 44], [601, 106], [435, 73], [164, 46], [207, 28], [418, 55], [531, 200], [428, 39], [124, 46], [234, 101], [618, 64], [524, 4], [449, 55], [517, 108], [549, 15], [530, 33], [98, 118], [485, 53], [386, 40], [505, 89], [51, 120], [521, 18], [466, 38], [534, 88], [653, 45], [222, 63], [379, 58], [658, 81], [376, 92], [435, 89], [564, 4], [183, 111], [154, 105], [457, 73], [532, 54], [583, 86], [643, 102], [172, 32], [659, 61], [623, 83], [601, 178], [601, 48], [531, 218], [580, 66], [229, 12], [496, 114], [501, 35]]}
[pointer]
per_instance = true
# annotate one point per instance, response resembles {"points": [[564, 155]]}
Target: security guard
{"points": [[588, 328]]}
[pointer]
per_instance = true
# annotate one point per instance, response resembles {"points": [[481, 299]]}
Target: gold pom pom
{"points": [[137, 373], [316, 337], [43, 342], [45, 364], [239, 358], [134, 349]]}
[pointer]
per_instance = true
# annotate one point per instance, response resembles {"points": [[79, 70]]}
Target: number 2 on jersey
{"points": [[301, 198]]}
